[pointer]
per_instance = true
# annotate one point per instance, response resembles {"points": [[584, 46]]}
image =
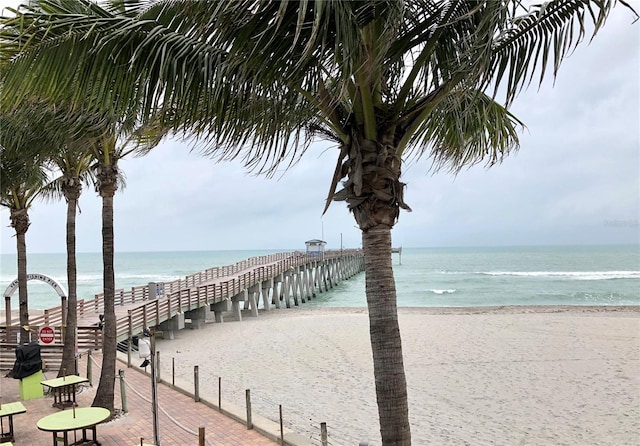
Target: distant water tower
{"points": [[315, 247]]}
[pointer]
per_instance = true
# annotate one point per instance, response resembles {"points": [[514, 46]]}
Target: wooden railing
{"points": [[89, 338], [51, 356], [192, 292]]}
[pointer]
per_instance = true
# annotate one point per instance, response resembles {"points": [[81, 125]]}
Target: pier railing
{"points": [[89, 338], [181, 295]]}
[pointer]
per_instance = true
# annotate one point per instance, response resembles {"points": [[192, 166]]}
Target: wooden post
{"points": [[123, 391], [281, 428], [7, 317], [173, 371], [248, 398], [89, 368], [158, 379], [201, 436], [219, 393], [130, 317], [196, 384], [323, 434], [144, 315], [154, 390]]}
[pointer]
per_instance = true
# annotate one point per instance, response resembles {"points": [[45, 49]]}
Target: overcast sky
{"points": [[575, 180]]}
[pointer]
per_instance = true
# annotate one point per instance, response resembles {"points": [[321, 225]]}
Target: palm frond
{"points": [[544, 36], [467, 128]]}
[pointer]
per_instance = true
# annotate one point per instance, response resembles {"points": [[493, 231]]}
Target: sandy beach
{"points": [[501, 376]]}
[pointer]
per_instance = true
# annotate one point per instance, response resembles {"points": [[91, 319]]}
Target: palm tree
{"points": [[109, 135], [388, 81], [108, 150], [22, 180], [74, 165], [68, 134]]}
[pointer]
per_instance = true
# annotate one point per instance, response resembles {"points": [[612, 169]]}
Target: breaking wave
{"points": [[443, 291], [569, 275]]}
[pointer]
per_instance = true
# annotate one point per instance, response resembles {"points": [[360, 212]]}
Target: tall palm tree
{"points": [[108, 150], [109, 134], [22, 179], [388, 81], [74, 165], [68, 134]]}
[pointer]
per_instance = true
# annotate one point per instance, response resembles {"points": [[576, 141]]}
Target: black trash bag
{"points": [[28, 360]]}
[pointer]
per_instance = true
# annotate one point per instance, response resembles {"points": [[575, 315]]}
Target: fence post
{"points": [[201, 436], [89, 368], [196, 384], [158, 379], [281, 428], [248, 398], [123, 392], [323, 434], [130, 338], [219, 393]]}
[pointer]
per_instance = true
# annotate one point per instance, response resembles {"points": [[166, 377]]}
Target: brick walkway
{"points": [[189, 416]]}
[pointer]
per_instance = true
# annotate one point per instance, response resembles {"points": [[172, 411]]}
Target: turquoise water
{"points": [[584, 275]]}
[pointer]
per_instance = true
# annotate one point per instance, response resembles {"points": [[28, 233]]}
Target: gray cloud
{"points": [[575, 180]]}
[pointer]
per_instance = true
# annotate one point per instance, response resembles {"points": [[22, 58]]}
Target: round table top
{"points": [[65, 421]]}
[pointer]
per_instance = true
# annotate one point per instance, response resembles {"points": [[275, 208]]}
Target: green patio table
{"points": [[85, 418], [8, 410], [64, 387]]}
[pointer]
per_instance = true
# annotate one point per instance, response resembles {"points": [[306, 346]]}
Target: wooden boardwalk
{"points": [[281, 279]]}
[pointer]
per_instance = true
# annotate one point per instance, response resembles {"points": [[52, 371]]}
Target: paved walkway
{"points": [[178, 428]]}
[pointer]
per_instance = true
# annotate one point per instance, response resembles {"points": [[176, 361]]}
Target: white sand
{"points": [[528, 376]]}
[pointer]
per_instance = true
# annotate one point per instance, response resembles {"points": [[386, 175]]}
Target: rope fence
{"points": [[197, 434], [317, 431], [238, 394]]}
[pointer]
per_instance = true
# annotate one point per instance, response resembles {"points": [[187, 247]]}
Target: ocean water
{"points": [[425, 277]]}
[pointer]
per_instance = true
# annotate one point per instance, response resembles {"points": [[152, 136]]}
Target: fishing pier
{"points": [[274, 281]]}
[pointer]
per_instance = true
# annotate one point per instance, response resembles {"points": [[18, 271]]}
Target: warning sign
{"points": [[47, 335]]}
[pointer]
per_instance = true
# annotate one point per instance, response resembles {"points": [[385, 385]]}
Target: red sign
{"points": [[47, 335]]}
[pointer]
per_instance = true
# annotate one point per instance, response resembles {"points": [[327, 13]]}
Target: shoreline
{"points": [[508, 375], [489, 309]]}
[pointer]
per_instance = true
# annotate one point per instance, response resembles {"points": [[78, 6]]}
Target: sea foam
{"points": [[572, 275]]}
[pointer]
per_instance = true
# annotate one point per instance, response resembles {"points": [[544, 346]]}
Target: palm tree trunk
{"points": [[386, 344], [20, 222], [105, 392], [69, 350]]}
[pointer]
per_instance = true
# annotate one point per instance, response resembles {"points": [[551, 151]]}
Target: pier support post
{"points": [[285, 288], [277, 291], [253, 303], [266, 300], [198, 317], [219, 308], [170, 326], [235, 303]]}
